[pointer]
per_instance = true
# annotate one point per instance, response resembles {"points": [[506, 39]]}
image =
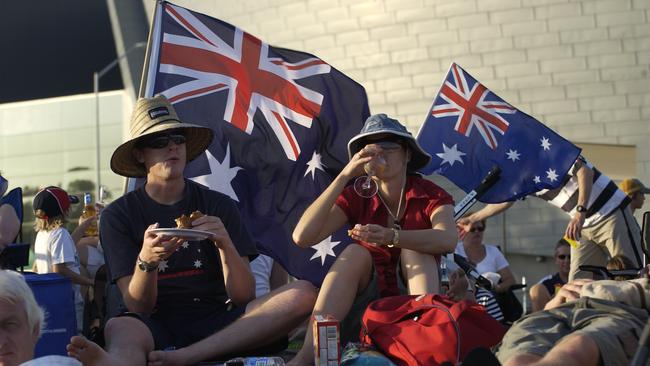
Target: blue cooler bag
{"points": [[54, 293]]}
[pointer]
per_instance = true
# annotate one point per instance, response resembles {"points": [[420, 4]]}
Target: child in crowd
{"points": [[54, 246]]}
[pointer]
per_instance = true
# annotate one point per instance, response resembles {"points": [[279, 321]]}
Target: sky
{"points": [[51, 48]]}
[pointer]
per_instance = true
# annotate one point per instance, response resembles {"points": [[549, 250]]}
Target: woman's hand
{"points": [[372, 234], [354, 167]]}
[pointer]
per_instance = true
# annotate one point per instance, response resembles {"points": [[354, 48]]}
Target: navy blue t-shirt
{"points": [[191, 280]]}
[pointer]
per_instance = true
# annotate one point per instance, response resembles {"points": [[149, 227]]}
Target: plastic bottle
{"points": [[255, 361], [444, 276], [88, 211]]}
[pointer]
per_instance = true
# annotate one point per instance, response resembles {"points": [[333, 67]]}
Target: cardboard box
{"points": [[327, 340]]}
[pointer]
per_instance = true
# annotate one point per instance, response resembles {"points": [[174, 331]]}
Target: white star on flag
{"points": [[537, 180], [197, 263], [221, 175], [185, 245], [324, 248], [552, 175], [546, 145], [313, 164], [513, 155], [162, 266], [450, 155]]}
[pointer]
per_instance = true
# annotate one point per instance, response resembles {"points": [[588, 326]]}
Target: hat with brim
{"points": [[150, 116], [379, 124]]}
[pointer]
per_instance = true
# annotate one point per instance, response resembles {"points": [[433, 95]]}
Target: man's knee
{"points": [[128, 329], [305, 295]]}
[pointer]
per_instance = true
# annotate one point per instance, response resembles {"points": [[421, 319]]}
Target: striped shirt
{"points": [[605, 195], [489, 302]]}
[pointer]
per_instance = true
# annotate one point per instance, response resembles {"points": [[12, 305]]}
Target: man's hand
{"points": [[213, 224], [569, 292], [372, 234], [574, 227], [156, 248]]}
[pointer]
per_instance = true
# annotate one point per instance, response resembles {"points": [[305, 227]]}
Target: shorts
{"points": [[613, 326], [351, 324], [178, 332]]}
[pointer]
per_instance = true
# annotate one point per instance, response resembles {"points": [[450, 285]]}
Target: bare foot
{"points": [[169, 358], [87, 352]]}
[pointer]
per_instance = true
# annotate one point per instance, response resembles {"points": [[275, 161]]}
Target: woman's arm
{"points": [[507, 280], [323, 217], [440, 239]]}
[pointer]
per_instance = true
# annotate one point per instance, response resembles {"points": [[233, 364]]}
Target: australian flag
{"points": [[469, 130], [282, 120]]}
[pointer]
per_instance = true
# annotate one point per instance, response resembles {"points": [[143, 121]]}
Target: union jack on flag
{"points": [[472, 108], [281, 119], [530, 155]]}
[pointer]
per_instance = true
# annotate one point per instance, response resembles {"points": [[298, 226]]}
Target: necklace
{"points": [[399, 207]]}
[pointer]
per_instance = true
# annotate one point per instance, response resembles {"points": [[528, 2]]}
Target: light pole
{"points": [[96, 76]]}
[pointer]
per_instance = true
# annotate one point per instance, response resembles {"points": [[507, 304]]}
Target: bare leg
{"points": [[421, 272], [266, 320], [347, 277], [576, 349], [128, 341]]}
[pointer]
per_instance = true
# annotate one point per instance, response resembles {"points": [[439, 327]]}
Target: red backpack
{"points": [[428, 329]]}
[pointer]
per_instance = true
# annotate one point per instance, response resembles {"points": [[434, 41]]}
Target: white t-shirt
{"points": [[494, 260], [262, 266], [57, 247]]}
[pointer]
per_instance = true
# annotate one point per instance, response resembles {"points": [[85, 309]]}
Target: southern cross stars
{"points": [[551, 175], [513, 155], [545, 144], [450, 155], [324, 248]]}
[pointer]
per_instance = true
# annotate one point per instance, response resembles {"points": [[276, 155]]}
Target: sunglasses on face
{"points": [[563, 256], [387, 145], [479, 229], [161, 141]]}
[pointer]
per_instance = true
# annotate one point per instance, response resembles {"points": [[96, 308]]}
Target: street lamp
{"points": [[96, 76]]}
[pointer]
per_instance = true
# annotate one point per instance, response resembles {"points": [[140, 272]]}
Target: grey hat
{"points": [[382, 124], [153, 115]]}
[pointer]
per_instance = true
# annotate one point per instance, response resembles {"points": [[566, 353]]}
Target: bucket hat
{"points": [[382, 124], [53, 201], [633, 185], [154, 115]]}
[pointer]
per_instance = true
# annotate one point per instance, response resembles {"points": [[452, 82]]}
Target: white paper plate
{"points": [[188, 234]]}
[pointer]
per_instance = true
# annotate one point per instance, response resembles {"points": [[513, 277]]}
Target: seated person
{"points": [[399, 231], [9, 222], [54, 247], [21, 323], [547, 287], [485, 257], [581, 325], [176, 288]]}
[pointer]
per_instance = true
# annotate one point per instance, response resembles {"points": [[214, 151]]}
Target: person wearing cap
{"points": [[9, 222], [192, 297], [601, 218], [397, 233], [54, 247], [636, 190]]}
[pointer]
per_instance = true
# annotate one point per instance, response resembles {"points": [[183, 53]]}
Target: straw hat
{"points": [[153, 115], [382, 124]]}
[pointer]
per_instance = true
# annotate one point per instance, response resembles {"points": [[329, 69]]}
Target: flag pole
{"points": [[151, 53], [490, 179]]}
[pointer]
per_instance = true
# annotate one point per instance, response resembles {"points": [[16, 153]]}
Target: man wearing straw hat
{"points": [[175, 287]]}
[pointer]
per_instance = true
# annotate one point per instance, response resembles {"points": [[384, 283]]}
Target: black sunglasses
{"points": [[563, 256], [479, 229], [161, 141]]}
